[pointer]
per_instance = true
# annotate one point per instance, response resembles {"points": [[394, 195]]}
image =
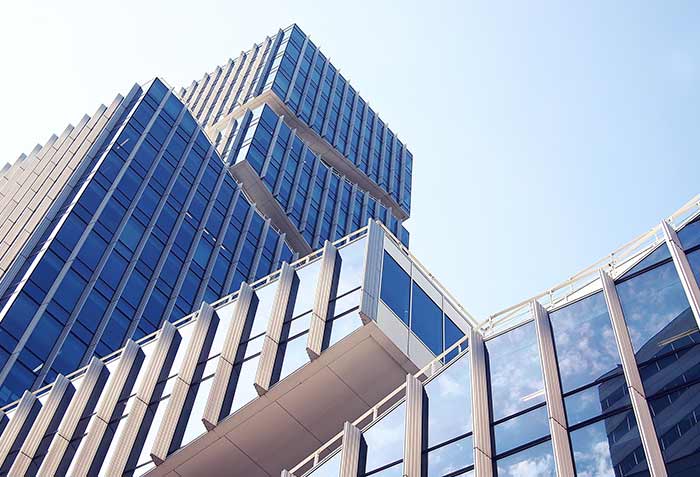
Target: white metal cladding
{"points": [[281, 308], [413, 440], [157, 369], [242, 317], [197, 352], [558, 427], [48, 417], [325, 289], [82, 404], [350, 454]]}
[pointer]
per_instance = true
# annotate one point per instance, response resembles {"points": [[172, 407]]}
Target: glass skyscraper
{"points": [[217, 281]]}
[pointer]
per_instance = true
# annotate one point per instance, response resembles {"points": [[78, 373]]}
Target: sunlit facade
{"points": [[217, 281], [165, 200]]}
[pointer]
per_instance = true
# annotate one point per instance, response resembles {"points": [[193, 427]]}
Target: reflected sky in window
{"points": [[594, 451], [330, 468], [266, 298], [451, 457], [385, 439], [515, 373], [352, 265], [537, 461], [520, 430], [650, 302], [595, 400], [585, 342], [449, 403], [306, 290]]}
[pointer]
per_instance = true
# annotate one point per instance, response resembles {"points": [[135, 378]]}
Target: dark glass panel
{"points": [[396, 288], [598, 451], [426, 319], [676, 418], [596, 400], [690, 235], [658, 255]]}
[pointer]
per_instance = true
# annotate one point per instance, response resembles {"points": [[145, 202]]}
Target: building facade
{"points": [[218, 282], [162, 201]]}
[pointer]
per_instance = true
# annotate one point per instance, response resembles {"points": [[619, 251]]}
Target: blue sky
{"points": [[545, 134]]}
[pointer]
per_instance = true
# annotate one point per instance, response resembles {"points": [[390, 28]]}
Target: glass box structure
{"points": [[218, 282]]}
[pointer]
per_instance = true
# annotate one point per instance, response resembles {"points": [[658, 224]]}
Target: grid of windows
{"points": [[414, 307], [322, 204], [154, 226], [292, 67]]}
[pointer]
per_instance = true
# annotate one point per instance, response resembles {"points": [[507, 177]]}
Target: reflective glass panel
{"points": [[352, 265], [294, 356], [596, 400], [449, 403], [676, 418], [306, 290], [535, 461], [521, 429], [245, 391], [585, 342], [656, 311], [597, 452], [514, 370], [343, 326], [385, 439], [659, 255], [451, 457], [266, 298], [396, 288], [330, 468], [690, 235]]}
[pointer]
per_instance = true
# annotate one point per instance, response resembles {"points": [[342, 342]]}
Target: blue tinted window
{"points": [[452, 335], [657, 256], [396, 288], [426, 319], [690, 235]]}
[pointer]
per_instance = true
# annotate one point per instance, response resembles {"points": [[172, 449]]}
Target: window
{"points": [[449, 440], [384, 441], [426, 319], [395, 288]]}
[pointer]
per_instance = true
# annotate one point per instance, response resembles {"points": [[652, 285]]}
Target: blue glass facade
{"points": [[155, 220], [320, 202], [294, 70], [154, 226]]}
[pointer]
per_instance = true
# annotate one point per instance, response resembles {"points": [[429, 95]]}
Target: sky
{"points": [[544, 134]]}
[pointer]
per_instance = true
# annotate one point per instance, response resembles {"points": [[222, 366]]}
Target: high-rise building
{"points": [[135, 216], [218, 282]]}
